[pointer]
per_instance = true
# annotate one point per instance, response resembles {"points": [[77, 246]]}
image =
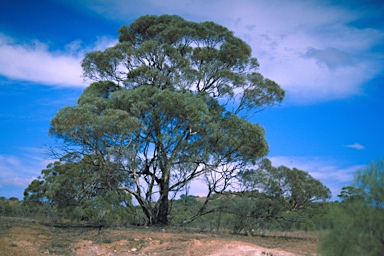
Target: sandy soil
{"points": [[28, 237]]}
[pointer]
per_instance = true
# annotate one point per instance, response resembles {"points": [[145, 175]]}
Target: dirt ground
{"points": [[28, 237]]}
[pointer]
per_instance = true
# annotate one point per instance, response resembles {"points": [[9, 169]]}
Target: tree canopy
{"points": [[78, 188], [169, 105], [293, 188], [169, 52]]}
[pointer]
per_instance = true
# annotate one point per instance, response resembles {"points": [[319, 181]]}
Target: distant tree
{"points": [[293, 188], [170, 105], [350, 194], [358, 221], [275, 193], [75, 185]]}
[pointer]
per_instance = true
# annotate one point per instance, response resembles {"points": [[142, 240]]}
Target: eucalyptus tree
{"points": [[77, 188], [294, 189], [276, 194], [169, 105]]}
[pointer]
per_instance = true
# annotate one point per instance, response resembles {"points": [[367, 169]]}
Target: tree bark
{"points": [[162, 214]]}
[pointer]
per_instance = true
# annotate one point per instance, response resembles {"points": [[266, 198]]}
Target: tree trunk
{"points": [[162, 215]]}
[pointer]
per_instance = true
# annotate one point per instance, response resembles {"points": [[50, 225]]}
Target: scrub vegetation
{"points": [[170, 104]]}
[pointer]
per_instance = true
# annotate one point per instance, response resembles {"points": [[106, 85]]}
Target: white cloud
{"points": [[34, 62], [309, 47], [20, 171], [102, 43], [7, 163], [357, 146], [311, 51], [74, 46], [330, 57]]}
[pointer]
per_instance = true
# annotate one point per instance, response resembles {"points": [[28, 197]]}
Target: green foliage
{"points": [[351, 194], [102, 216], [246, 213], [358, 221], [77, 189], [293, 188], [371, 181], [357, 230], [184, 208], [286, 199], [153, 120], [15, 208], [6, 208]]}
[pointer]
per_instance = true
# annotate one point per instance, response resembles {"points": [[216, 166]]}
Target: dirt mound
{"points": [[27, 237]]}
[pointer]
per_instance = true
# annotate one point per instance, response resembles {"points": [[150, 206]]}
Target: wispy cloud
{"points": [[311, 48], [16, 181], [330, 57], [35, 62], [17, 171], [357, 146], [313, 59]]}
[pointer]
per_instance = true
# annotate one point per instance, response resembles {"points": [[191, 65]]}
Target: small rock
{"points": [[134, 249]]}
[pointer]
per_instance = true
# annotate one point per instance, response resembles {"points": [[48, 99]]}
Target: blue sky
{"points": [[327, 55]]}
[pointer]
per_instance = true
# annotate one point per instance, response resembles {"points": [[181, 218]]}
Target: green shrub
{"points": [[358, 221]]}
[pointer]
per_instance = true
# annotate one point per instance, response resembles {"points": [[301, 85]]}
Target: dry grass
{"points": [[28, 237]]}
